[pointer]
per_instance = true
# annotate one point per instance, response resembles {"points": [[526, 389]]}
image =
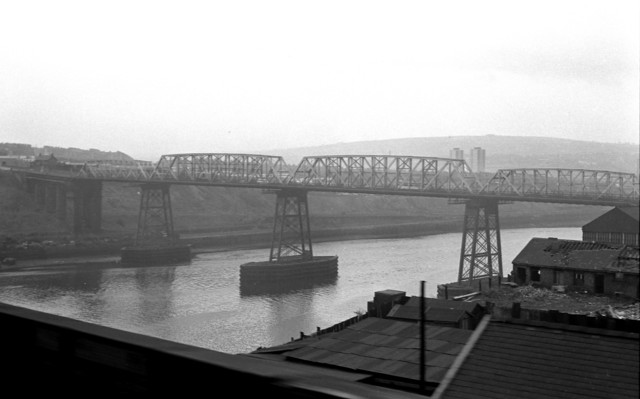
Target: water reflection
{"points": [[155, 293]]}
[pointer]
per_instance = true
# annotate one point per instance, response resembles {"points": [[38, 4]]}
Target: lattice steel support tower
{"points": [[155, 220], [291, 228], [481, 254]]}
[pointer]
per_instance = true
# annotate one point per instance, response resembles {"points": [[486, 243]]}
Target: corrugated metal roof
{"points": [[386, 346], [618, 220], [525, 361], [579, 255]]}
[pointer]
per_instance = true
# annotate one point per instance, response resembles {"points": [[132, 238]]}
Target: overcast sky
{"points": [[157, 77]]}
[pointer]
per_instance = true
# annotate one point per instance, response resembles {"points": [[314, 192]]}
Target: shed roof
{"points": [[520, 360], [412, 313], [445, 304], [436, 310], [618, 220], [386, 347], [579, 255]]}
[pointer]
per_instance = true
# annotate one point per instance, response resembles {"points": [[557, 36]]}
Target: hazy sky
{"points": [[157, 77]]}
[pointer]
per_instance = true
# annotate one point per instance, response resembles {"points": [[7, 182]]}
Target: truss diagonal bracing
{"points": [[155, 220], [291, 230], [596, 187], [481, 255], [376, 174], [382, 173], [222, 168]]}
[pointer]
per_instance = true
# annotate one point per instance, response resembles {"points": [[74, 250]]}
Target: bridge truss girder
{"points": [[291, 237], [576, 184], [386, 172], [155, 218], [223, 168], [481, 252], [197, 168], [378, 174]]}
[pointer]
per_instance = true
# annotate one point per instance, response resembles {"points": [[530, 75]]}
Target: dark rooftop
{"points": [[470, 307], [619, 219], [383, 347], [521, 360], [436, 310], [579, 255]]}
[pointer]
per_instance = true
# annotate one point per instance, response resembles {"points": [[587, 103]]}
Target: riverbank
{"points": [[105, 249]]}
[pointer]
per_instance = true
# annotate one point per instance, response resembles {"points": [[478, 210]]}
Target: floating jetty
{"points": [[286, 273], [156, 254]]}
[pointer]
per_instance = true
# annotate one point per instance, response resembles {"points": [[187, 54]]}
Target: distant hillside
{"points": [[63, 154], [501, 151]]}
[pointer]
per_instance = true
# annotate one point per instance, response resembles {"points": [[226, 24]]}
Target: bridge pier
{"points": [[155, 218], [39, 192], [50, 197], [61, 202], [291, 228], [156, 240], [291, 261], [87, 206], [481, 252]]}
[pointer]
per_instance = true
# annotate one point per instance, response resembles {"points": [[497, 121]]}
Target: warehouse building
{"points": [[599, 268], [618, 226]]}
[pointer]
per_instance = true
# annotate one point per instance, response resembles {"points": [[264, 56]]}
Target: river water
{"points": [[201, 303]]}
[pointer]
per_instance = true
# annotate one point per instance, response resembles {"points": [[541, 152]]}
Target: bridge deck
{"points": [[371, 174]]}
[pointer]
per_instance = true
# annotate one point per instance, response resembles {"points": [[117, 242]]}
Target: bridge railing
{"points": [[386, 173], [563, 183]]}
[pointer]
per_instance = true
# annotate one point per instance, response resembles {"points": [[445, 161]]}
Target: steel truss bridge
{"points": [[367, 174]]}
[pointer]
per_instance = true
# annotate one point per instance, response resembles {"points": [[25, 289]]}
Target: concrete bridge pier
{"points": [[87, 206], [61, 202], [481, 252], [39, 192], [50, 197], [291, 228]]}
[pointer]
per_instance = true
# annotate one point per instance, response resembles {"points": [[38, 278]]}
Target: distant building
{"points": [[618, 226], [599, 268], [477, 159], [456, 153], [13, 161], [46, 161]]}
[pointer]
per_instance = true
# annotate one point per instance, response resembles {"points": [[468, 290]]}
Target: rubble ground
{"points": [[577, 302]]}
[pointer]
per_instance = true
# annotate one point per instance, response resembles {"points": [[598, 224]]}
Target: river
{"points": [[201, 303]]}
